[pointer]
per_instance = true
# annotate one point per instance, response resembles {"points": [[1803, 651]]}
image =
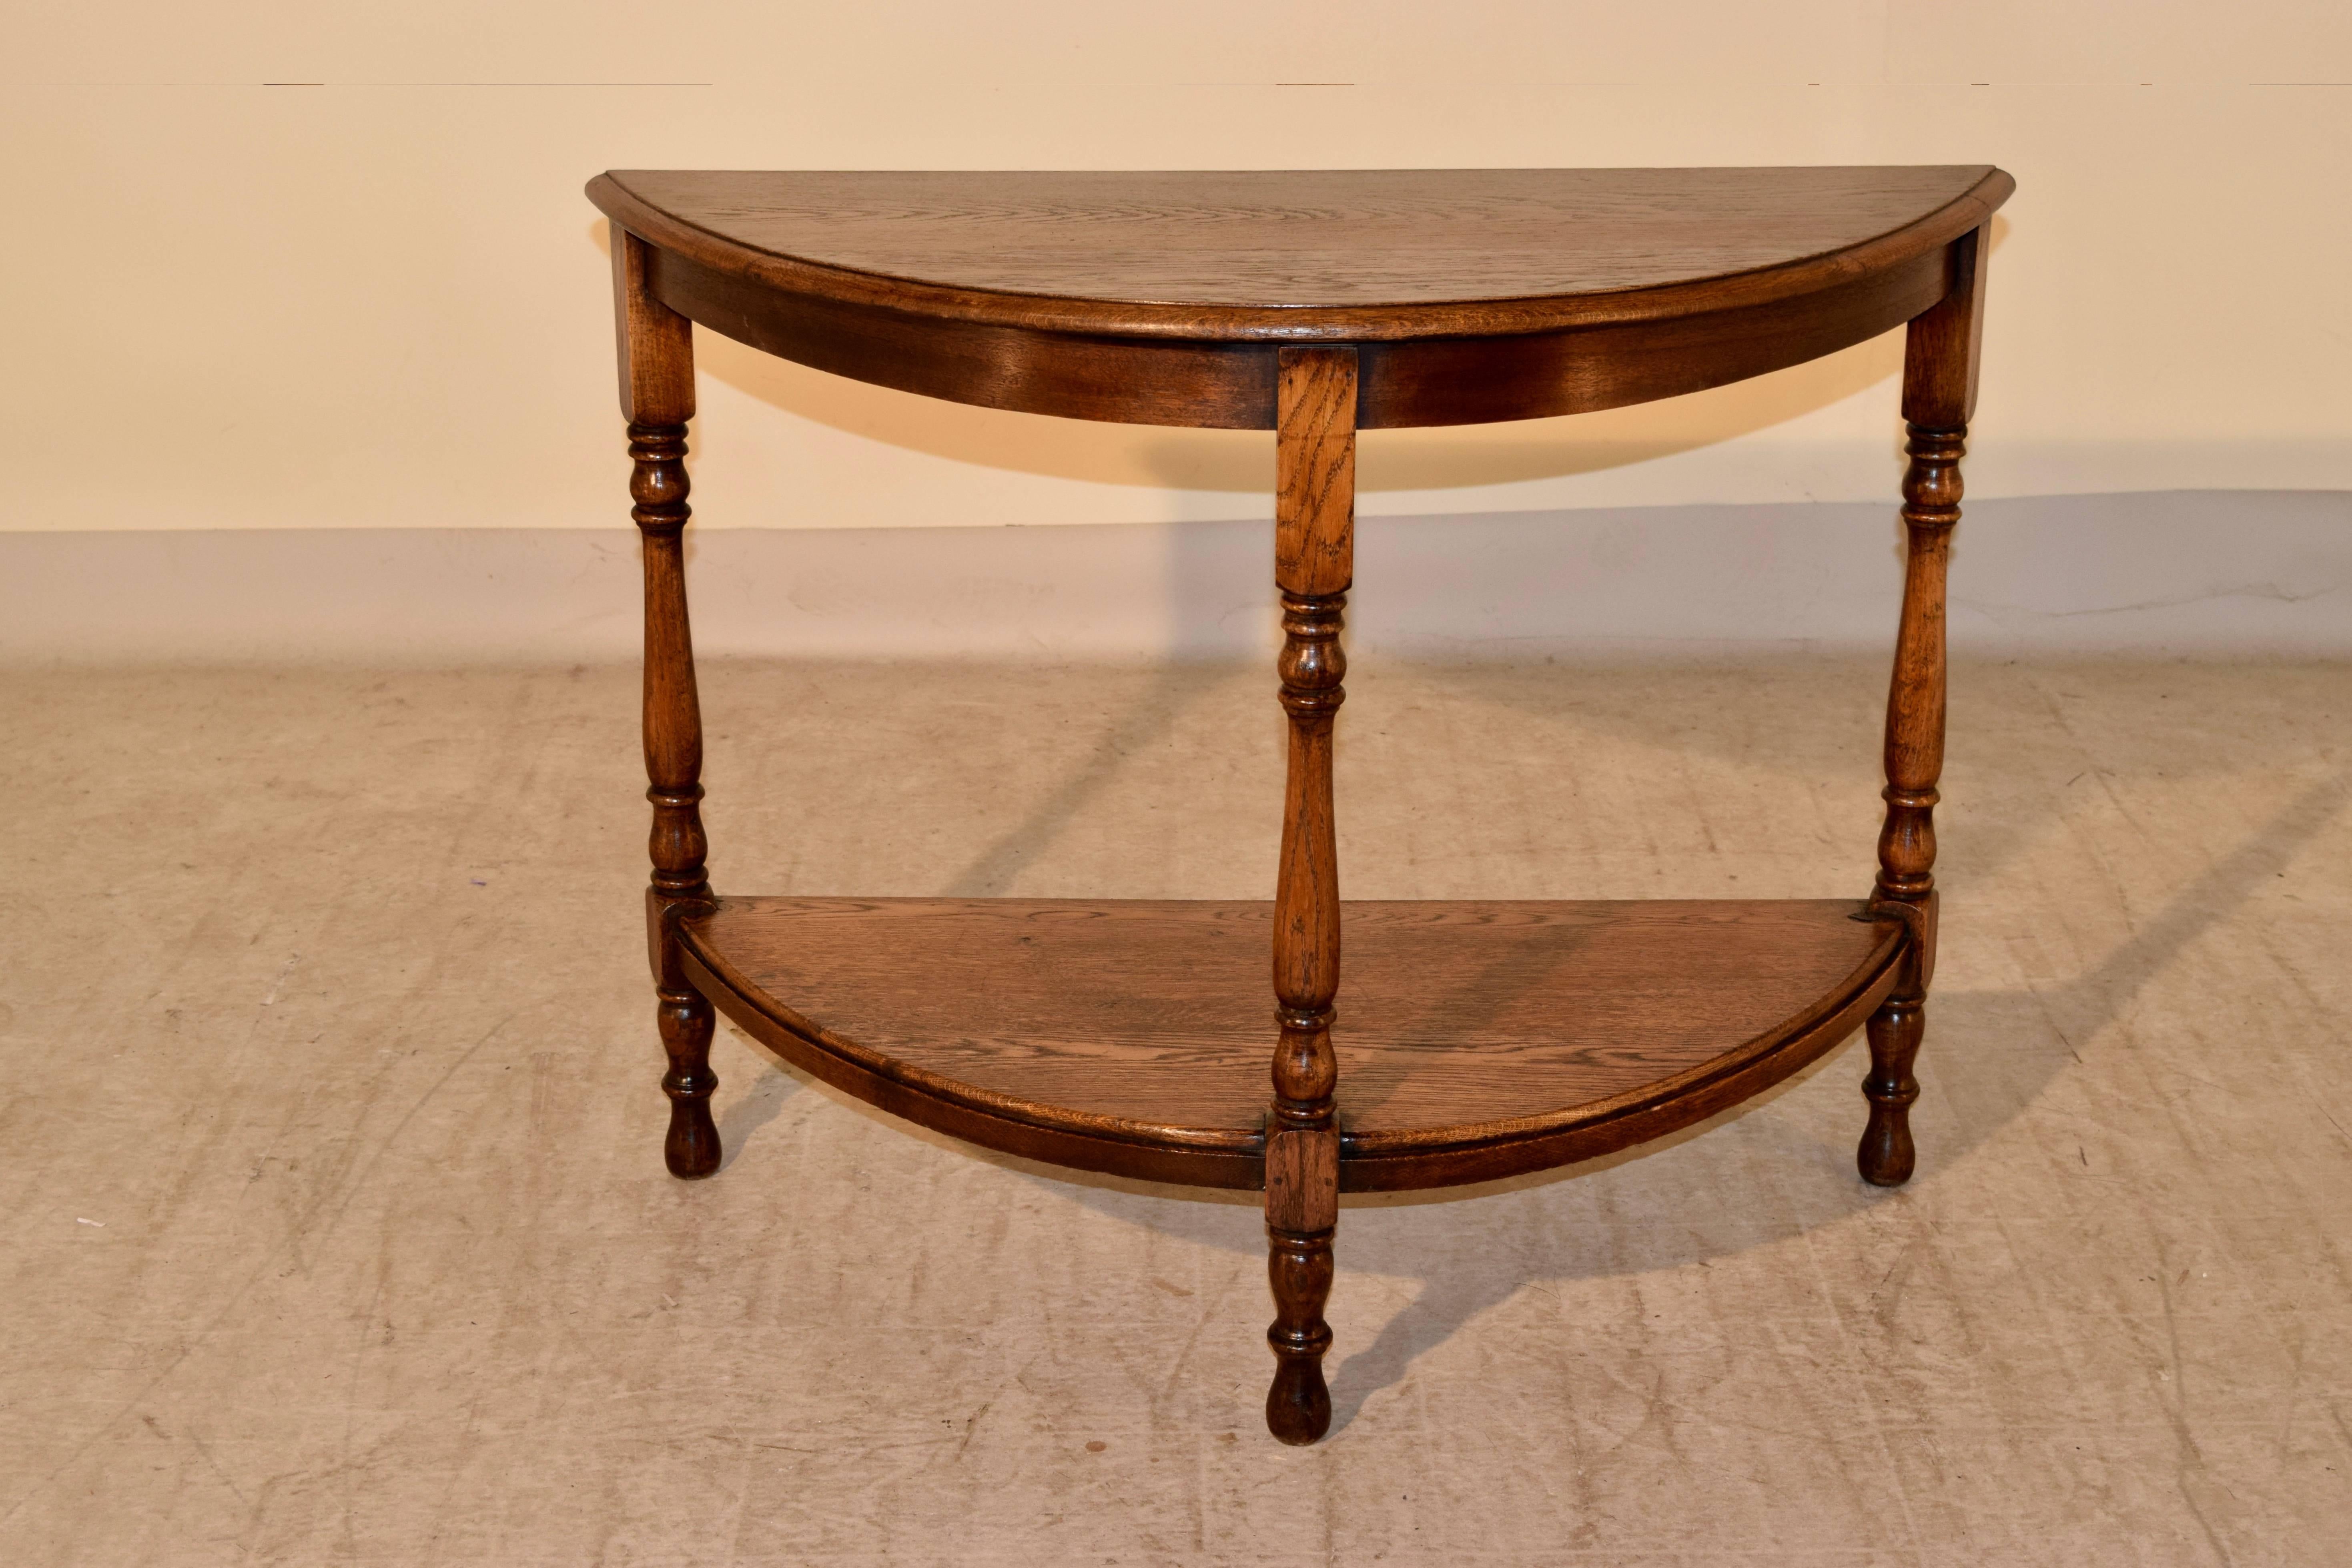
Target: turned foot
{"points": [[1886, 1155], [692, 1146], [1298, 1266]]}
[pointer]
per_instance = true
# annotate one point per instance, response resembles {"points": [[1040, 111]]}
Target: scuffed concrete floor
{"points": [[336, 1227]]}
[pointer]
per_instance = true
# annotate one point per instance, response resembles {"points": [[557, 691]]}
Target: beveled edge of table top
{"points": [[1095, 314]]}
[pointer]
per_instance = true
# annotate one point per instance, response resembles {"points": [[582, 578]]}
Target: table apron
{"points": [[1229, 385]]}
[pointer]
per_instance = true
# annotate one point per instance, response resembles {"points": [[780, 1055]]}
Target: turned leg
{"points": [[1886, 1155], [656, 348], [692, 1147], [1314, 562], [1940, 384], [1302, 1205]]}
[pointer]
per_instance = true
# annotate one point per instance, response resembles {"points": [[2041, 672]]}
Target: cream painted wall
{"points": [[377, 299]]}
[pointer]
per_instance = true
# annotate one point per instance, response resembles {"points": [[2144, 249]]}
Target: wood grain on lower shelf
{"points": [[1474, 1039]]}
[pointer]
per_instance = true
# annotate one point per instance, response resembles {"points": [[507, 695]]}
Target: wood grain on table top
{"points": [[1235, 251]]}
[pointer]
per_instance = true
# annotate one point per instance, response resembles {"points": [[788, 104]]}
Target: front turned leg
{"points": [[1886, 1155], [1314, 562], [1302, 1214], [1302, 1145]]}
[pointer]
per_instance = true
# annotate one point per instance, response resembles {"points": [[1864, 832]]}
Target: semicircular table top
{"points": [[1280, 254]]}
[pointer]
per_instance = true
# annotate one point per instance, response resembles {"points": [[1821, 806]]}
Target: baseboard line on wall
{"points": [[2186, 572]]}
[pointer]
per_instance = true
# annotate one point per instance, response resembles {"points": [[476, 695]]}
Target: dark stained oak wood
{"points": [[1471, 295], [1461, 1042], [1299, 1267], [1940, 391], [1473, 1040], [657, 358], [1314, 563], [1886, 1155], [1315, 472], [1944, 344], [1348, 256]]}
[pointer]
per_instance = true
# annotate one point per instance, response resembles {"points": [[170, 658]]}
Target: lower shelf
{"points": [[1475, 1040]]}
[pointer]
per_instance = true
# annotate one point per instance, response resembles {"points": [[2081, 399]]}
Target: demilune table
{"points": [[1463, 1041]]}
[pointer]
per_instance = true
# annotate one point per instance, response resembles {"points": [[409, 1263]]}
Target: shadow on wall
{"points": [[1242, 461]]}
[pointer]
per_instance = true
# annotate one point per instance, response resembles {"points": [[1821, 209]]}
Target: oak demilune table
{"points": [[1461, 1041]]}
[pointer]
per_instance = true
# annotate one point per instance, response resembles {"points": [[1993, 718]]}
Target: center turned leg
{"points": [[1315, 508]]}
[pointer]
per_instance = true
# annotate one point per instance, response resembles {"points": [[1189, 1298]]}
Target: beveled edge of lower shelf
{"points": [[1185, 1156], [1235, 1160], [1491, 1151]]}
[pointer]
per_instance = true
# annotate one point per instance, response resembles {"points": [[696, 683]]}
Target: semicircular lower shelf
{"points": [[1150, 1023]]}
